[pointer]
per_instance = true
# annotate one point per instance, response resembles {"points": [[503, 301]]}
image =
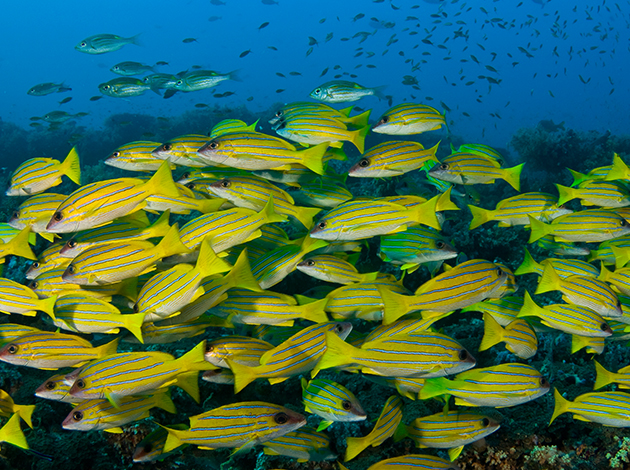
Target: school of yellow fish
{"points": [[108, 268]]}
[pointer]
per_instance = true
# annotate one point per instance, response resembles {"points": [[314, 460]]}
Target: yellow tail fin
{"points": [[513, 176], [480, 216], [566, 194], [529, 265], [19, 245], [162, 182], [604, 377], [358, 138], [492, 332], [561, 405], [539, 229], [312, 158], [314, 311], [12, 433], [71, 166], [243, 375], [133, 323], [171, 243], [549, 280]]}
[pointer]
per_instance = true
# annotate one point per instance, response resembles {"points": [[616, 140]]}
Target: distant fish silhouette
{"points": [[548, 125]]}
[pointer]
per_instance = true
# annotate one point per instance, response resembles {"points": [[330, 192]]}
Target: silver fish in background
{"points": [[102, 43], [124, 87], [43, 89], [130, 68], [342, 91], [202, 79]]}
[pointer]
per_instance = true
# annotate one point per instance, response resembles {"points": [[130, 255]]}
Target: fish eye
{"points": [[116, 154], [485, 422], [77, 416], [444, 166], [186, 175], [281, 418], [148, 447], [35, 265], [339, 328], [136, 309], [309, 262], [33, 285], [12, 349], [463, 355], [279, 114], [213, 145], [321, 225], [190, 185], [58, 216], [543, 382], [604, 327], [80, 383], [209, 347], [364, 163], [440, 244], [225, 183], [317, 91], [346, 405], [384, 120], [71, 269], [500, 162], [105, 87], [623, 223], [499, 272], [167, 147], [71, 243], [16, 215], [83, 44], [50, 385]]}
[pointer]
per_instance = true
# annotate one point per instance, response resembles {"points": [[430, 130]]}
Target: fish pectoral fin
{"points": [[454, 452], [323, 425], [248, 445], [112, 398], [116, 430]]}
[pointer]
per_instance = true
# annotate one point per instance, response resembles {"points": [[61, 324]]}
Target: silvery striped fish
{"points": [[311, 129], [305, 445], [227, 126], [331, 401], [450, 430], [581, 290], [81, 313], [201, 79], [469, 168], [239, 349], [462, 286], [257, 151], [596, 193], [162, 334], [499, 386], [385, 426], [412, 462], [334, 269], [420, 355], [136, 156], [356, 220], [607, 408], [409, 118], [590, 225], [519, 337], [169, 291], [48, 260], [516, 209], [308, 107], [100, 415], [57, 388], [239, 425], [114, 262], [253, 192], [322, 192], [182, 150], [134, 227], [271, 268], [344, 91], [361, 300], [101, 202], [563, 267], [268, 308], [16, 298], [393, 159], [35, 213], [51, 350], [228, 228], [415, 246], [123, 374], [36, 175], [295, 356], [569, 318]]}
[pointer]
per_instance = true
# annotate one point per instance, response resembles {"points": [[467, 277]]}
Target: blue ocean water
{"points": [[541, 53]]}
